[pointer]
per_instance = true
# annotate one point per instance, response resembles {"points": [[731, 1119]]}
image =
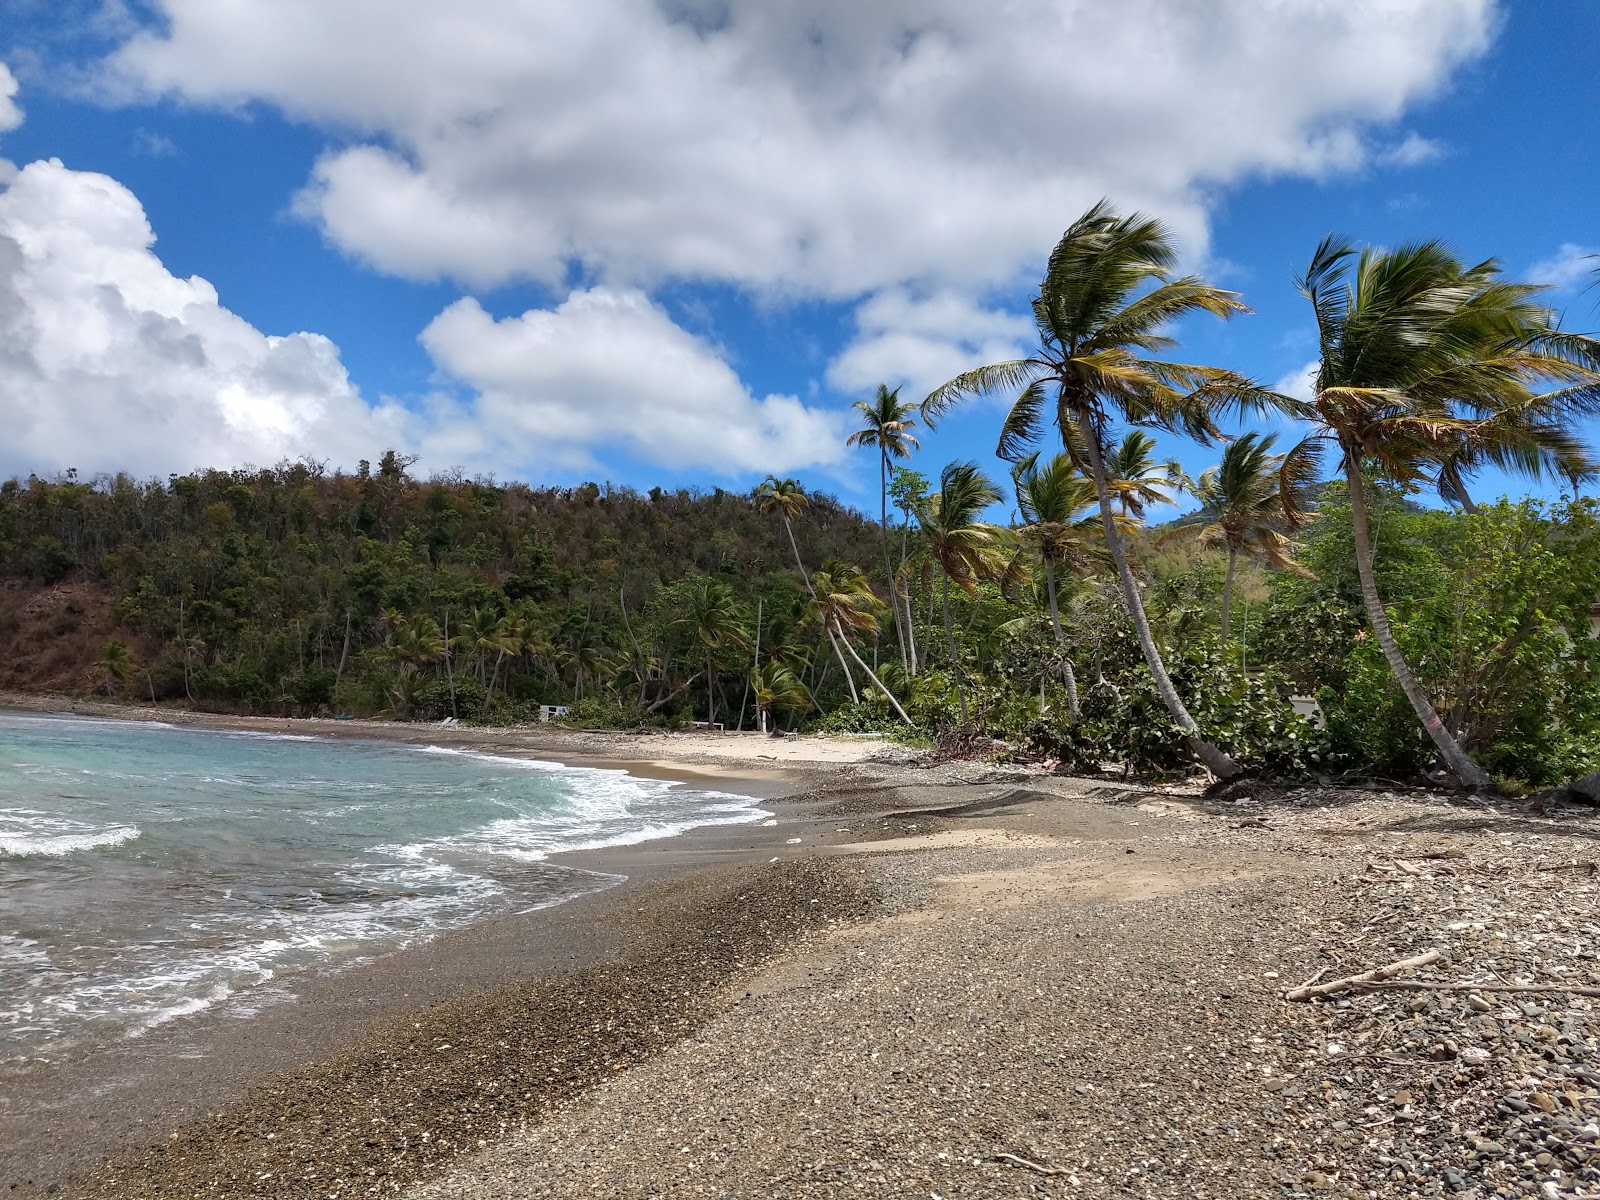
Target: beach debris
{"points": [[1018, 1161]]}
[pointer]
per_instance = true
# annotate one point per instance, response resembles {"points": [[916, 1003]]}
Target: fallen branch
{"points": [[1418, 985], [1032, 1166], [1376, 975]]}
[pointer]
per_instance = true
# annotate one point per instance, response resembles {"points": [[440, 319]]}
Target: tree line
{"points": [[1455, 636]]}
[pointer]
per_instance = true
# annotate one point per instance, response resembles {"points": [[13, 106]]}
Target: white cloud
{"points": [[831, 149], [109, 362], [1300, 383], [610, 368], [1566, 267], [921, 343], [10, 114], [1412, 151]]}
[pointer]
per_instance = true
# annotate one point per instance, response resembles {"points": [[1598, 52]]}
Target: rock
{"points": [[1478, 1003]]}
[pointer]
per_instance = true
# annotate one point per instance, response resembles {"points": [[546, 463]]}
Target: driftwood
{"points": [[1380, 979], [1376, 975], [1418, 985], [1031, 1165]]}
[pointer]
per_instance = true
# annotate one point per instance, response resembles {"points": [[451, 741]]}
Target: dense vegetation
{"points": [[1457, 637]]}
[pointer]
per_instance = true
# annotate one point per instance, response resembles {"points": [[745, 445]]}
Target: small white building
{"points": [[549, 712]]}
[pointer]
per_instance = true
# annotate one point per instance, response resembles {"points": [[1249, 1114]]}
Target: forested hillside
{"points": [[283, 589]]}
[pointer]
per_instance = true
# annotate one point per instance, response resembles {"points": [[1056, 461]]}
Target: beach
{"points": [[952, 980]]}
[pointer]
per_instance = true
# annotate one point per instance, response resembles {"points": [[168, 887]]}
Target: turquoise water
{"points": [[148, 871]]}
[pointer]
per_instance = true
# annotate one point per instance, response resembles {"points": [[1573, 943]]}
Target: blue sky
{"points": [[670, 243]]}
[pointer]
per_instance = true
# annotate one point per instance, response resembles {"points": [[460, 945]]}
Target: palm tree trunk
{"points": [[1455, 758], [798, 565], [755, 665], [1068, 676], [955, 665], [1227, 593], [184, 642], [855, 697], [872, 676], [345, 653], [911, 617], [711, 692], [1214, 760], [888, 562]]}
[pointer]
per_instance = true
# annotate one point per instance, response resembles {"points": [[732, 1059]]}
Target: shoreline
{"points": [[101, 1102], [765, 767]]}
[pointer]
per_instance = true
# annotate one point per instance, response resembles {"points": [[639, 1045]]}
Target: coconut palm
{"points": [[787, 499], [711, 618], [1138, 479], [886, 426], [1056, 503], [775, 686], [1428, 368], [1251, 510], [846, 604], [1105, 298], [965, 548], [115, 665]]}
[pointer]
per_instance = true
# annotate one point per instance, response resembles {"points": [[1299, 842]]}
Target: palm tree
{"points": [[846, 604], [1096, 325], [1138, 479], [775, 686], [788, 499], [1055, 503], [713, 621], [1428, 368], [116, 665], [887, 426], [966, 548], [1249, 506]]}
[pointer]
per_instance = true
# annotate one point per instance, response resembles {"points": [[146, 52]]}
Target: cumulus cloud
{"points": [[832, 149], [920, 343], [1566, 267], [610, 368], [109, 362]]}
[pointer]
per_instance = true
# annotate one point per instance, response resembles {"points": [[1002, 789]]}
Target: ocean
{"points": [[149, 871]]}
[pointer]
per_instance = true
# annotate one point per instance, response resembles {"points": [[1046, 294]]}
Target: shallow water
{"points": [[148, 871]]}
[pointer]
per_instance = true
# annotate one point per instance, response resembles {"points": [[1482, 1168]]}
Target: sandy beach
{"points": [[959, 980]]}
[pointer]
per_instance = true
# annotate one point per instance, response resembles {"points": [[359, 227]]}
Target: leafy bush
{"points": [[1246, 714]]}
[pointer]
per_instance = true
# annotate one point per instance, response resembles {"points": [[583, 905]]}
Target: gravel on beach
{"points": [[1105, 1017], [398, 1106], [977, 983]]}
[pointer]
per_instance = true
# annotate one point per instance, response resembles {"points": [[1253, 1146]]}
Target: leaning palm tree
{"points": [[1104, 301], [1250, 510], [1138, 479], [1428, 368], [886, 425], [846, 604], [788, 499], [1056, 504], [965, 548]]}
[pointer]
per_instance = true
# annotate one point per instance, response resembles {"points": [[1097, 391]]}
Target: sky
{"points": [[670, 242]]}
